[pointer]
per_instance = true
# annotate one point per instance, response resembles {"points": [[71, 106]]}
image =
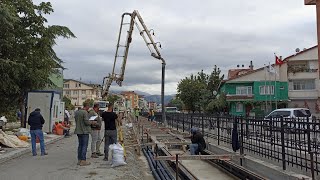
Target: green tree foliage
{"points": [[27, 57], [90, 101], [189, 91], [176, 102], [112, 98], [67, 103], [199, 92]]}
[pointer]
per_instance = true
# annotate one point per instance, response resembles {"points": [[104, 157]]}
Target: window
{"points": [[306, 84], [83, 91], [65, 85], [244, 90], [239, 107], [266, 90], [75, 92]]}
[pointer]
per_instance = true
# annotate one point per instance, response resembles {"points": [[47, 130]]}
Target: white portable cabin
{"points": [[49, 102]]}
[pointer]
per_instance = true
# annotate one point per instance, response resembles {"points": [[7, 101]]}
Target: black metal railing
{"points": [[292, 142]]}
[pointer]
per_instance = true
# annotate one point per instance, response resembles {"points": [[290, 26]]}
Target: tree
{"points": [[199, 92], [189, 91], [27, 57], [67, 103], [112, 98], [90, 101]]}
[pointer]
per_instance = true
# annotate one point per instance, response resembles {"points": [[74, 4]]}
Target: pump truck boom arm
{"points": [[135, 20]]}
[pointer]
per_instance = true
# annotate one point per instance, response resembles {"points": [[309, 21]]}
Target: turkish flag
{"points": [[278, 61]]}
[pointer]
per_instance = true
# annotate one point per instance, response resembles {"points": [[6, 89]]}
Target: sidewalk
{"points": [[12, 153]]}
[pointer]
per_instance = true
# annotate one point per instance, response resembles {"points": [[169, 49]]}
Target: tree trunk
{"points": [[22, 110]]}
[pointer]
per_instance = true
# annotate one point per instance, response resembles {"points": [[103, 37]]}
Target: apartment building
{"points": [[79, 91], [132, 99], [303, 77]]}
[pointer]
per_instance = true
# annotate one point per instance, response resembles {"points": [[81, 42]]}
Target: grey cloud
{"points": [[193, 35]]}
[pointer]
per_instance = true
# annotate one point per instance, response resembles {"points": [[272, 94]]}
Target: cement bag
{"points": [[117, 156], [12, 141]]}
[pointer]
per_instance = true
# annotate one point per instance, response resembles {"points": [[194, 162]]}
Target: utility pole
{"points": [[317, 3]]}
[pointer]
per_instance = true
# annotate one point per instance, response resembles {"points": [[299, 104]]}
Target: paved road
{"points": [[61, 164]]}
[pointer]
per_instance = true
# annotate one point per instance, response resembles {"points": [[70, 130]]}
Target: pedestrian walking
{"points": [[95, 133], [83, 129], [36, 122], [110, 132]]}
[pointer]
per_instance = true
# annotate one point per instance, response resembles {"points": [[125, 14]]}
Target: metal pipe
{"points": [[164, 120], [161, 175]]}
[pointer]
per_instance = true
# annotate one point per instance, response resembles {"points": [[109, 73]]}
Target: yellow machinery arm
{"points": [[135, 20]]}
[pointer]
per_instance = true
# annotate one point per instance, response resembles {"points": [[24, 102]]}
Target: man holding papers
{"points": [[95, 133]]}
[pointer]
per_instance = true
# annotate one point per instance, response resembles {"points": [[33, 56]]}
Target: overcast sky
{"points": [[194, 35]]}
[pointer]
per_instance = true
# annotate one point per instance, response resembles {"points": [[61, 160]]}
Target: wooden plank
{"points": [[310, 2], [224, 157]]}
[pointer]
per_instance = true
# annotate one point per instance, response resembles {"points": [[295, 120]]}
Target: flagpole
{"points": [[270, 84], [265, 88], [275, 88]]}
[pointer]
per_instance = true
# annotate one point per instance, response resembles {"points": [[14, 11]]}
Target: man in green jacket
{"points": [[83, 129]]}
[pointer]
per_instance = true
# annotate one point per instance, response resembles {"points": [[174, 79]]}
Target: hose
{"points": [[154, 172], [163, 169]]}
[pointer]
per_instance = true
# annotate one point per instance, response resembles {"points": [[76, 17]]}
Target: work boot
{"points": [[105, 158], [44, 154], [99, 154], [84, 163], [94, 155]]}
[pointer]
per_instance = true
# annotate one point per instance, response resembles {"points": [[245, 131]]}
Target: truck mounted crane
{"points": [[135, 21]]}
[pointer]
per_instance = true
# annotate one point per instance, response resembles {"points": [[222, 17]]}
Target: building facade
{"points": [[303, 78], [256, 92], [78, 91], [132, 99]]}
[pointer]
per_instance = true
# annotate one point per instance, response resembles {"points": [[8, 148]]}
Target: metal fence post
{"points": [[308, 135], [241, 139], [183, 122], [218, 128], [177, 166], [191, 121], [202, 124], [177, 122], [283, 145]]}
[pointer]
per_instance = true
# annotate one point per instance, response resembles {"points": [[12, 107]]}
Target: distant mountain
{"points": [[142, 93], [157, 98]]}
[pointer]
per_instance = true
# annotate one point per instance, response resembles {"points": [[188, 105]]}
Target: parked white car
{"points": [[293, 118], [290, 113]]}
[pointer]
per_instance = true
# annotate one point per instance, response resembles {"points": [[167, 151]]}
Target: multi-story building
{"points": [[143, 104], [255, 90], [303, 76], [79, 91], [132, 99]]}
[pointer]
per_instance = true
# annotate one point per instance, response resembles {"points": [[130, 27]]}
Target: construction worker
{"points": [[198, 143], [136, 113], [83, 129], [110, 133], [95, 133]]}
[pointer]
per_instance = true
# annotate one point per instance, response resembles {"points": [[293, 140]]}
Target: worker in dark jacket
{"points": [[198, 142], [36, 122]]}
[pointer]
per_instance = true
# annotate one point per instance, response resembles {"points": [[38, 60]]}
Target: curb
{"points": [[21, 151]]}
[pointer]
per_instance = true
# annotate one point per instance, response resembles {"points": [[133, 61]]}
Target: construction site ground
{"points": [[61, 163]]}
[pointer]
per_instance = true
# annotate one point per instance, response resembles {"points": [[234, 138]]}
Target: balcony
{"points": [[303, 94], [236, 97], [302, 73]]}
